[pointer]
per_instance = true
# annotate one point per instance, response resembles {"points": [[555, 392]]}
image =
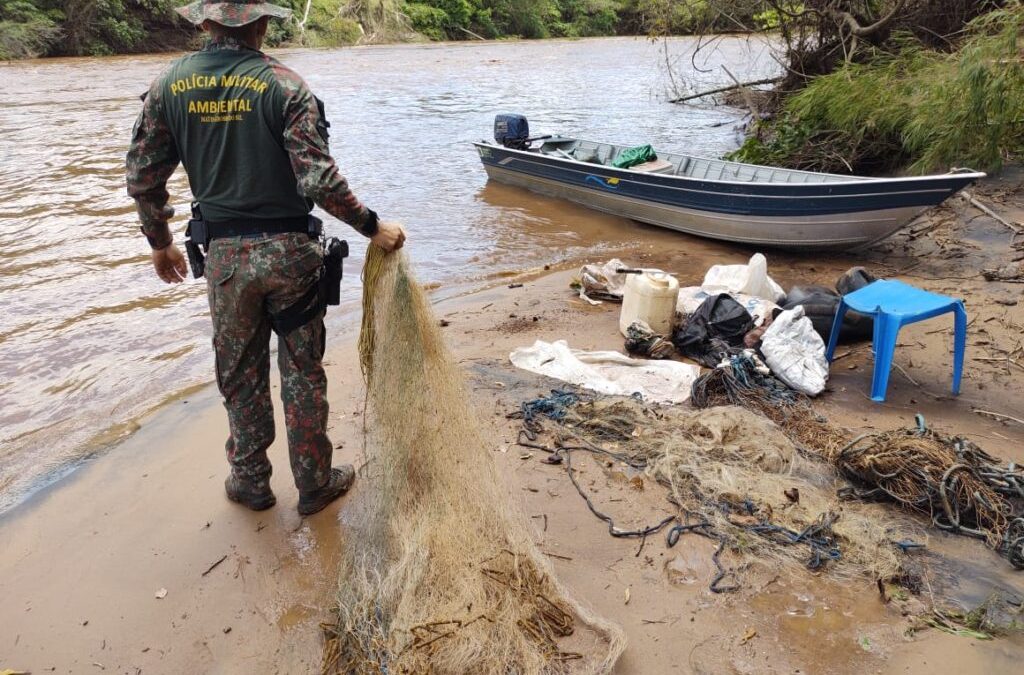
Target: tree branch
{"points": [[858, 30], [720, 90]]}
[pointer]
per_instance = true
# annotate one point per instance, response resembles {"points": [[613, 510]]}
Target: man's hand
{"points": [[390, 236], [169, 264]]}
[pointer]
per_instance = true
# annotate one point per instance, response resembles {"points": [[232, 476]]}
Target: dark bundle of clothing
{"points": [[642, 341], [714, 331]]}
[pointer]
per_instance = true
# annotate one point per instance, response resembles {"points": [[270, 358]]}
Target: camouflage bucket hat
{"points": [[231, 12]]}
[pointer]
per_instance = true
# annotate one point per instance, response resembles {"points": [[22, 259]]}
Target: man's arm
{"points": [[316, 172], [152, 158]]}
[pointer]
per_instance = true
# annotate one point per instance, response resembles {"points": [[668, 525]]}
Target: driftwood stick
{"points": [[213, 566], [469, 32], [720, 90], [905, 374], [992, 214], [999, 416]]}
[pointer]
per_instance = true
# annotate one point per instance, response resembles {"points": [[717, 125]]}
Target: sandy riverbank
{"points": [[84, 560]]}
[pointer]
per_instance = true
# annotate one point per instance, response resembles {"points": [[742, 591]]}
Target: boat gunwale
{"points": [[922, 190], [860, 180]]}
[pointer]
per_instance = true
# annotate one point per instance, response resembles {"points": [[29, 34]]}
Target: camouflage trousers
{"points": [[248, 280]]}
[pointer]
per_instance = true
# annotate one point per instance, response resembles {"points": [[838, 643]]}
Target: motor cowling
{"points": [[512, 131]]}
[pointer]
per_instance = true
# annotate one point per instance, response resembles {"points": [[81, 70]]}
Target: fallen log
{"points": [[721, 90]]}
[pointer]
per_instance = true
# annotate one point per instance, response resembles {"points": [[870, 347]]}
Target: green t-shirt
{"points": [[226, 109]]}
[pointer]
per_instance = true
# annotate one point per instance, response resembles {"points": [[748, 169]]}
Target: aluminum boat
{"points": [[731, 201]]}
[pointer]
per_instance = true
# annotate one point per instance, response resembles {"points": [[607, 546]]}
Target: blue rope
{"points": [[745, 371], [553, 407]]}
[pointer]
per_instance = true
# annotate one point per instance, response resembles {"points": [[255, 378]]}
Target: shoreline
{"points": [[342, 326], [373, 45], [246, 591]]}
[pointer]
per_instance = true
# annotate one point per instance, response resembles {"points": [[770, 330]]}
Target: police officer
{"points": [[253, 140]]}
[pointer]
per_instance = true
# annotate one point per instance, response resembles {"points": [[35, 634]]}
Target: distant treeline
{"points": [[88, 27], [98, 27], [444, 19]]}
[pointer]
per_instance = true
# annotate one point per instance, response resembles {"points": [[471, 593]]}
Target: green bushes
{"points": [[99, 27], [325, 25], [431, 22], [26, 30], [337, 31], [83, 27], [455, 19], [25, 40], [586, 18], [682, 17], [910, 109]]}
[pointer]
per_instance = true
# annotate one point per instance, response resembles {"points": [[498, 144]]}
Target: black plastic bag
{"points": [[714, 330], [820, 305], [854, 279]]}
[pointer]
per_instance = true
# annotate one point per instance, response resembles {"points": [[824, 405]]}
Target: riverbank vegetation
{"points": [[864, 86], [873, 86], [98, 27]]}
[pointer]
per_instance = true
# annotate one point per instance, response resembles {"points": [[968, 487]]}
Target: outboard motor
{"points": [[512, 131]]}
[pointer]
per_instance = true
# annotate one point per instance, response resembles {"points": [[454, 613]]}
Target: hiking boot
{"points": [[257, 499], [340, 481]]}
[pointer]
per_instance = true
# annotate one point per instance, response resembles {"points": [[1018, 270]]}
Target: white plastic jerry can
{"points": [[650, 297]]}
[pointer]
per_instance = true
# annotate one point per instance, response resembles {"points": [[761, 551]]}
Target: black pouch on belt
{"points": [[326, 291], [335, 252], [198, 235]]}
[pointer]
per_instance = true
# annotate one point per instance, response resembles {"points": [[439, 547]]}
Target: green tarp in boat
{"points": [[633, 156]]}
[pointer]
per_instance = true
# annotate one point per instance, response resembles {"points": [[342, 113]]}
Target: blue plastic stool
{"points": [[894, 304]]}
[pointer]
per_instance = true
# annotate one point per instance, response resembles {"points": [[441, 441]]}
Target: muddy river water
{"points": [[90, 339]]}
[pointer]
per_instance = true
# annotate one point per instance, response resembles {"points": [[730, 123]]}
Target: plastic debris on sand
{"points": [[608, 372], [795, 352], [749, 279], [602, 282]]}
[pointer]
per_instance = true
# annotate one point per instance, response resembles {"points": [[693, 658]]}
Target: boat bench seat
{"points": [[654, 166]]}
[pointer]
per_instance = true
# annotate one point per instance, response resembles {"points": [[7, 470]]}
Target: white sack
{"points": [[795, 352], [691, 297], [609, 372], [749, 279], [602, 281]]}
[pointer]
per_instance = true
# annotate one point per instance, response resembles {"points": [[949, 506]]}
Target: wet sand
{"points": [[84, 560]]}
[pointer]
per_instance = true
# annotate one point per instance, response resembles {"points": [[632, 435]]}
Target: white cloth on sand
{"points": [[609, 372]]}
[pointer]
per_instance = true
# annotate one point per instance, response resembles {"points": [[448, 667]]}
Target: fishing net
{"points": [[440, 574], [743, 383], [731, 475], [962, 488]]}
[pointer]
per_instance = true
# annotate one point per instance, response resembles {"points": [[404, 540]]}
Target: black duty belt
{"points": [[241, 227], [201, 232]]}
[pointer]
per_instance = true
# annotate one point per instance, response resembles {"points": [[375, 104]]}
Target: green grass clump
{"points": [[912, 110]]}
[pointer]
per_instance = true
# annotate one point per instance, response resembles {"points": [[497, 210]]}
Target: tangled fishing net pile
{"points": [[441, 575], [958, 485], [744, 384], [731, 474]]}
